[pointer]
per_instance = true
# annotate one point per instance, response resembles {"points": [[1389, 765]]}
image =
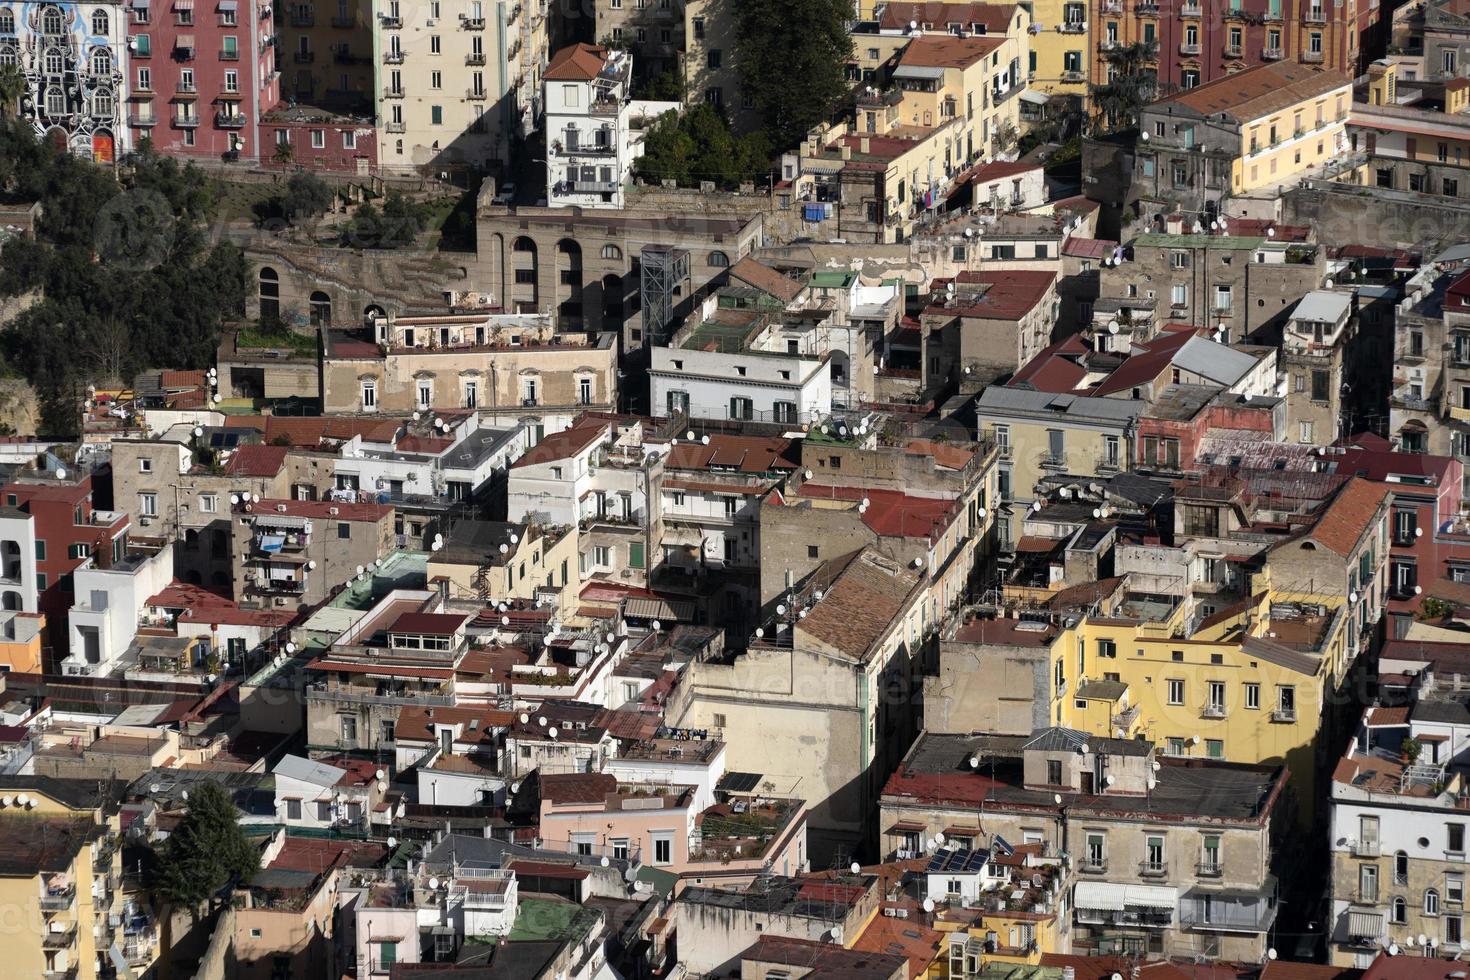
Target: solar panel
{"points": [[958, 860], [740, 782]]}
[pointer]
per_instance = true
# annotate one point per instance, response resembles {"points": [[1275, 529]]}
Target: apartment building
{"points": [[326, 52], [986, 324], [1398, 830], [1418, 145], [179, 488], [458, 81], [59, 872], [857, 625], [701, 381], [1187, 45], [72, 59], [505, 368], [1317, 358], [1429, 404], [1038, 434], [1248, 135], [1167, 857], [294, 553], [201, 80], [594, 127]]}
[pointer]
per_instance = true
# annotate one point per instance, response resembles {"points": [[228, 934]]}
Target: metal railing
{"points": [[348, 696]]}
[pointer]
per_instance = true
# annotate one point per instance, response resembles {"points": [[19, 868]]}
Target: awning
{"points": [[140, 4], [272, 542], [229, 6], [661, 609], [1365, 924], [1107, 896], [662, 881], [183, 4], [1035, 98], [184, 41], [281, 520], [923, 72], [906, 827]]}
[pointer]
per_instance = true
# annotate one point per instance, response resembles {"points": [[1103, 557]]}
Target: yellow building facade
{"points": [[1060, 49]]}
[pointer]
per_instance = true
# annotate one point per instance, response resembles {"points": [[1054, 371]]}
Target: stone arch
{"points": [[524, 275], [321, 309], [268, 293], [569, 280]]}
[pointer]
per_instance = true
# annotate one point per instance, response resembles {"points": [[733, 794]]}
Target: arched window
{"points": [[321, 309], [1398, 910], [1400, 867], [102, 104], [101, 62], [1431, 902], [51, 21], [270, 294], [611, 252], [55, 102], [99, 23], [719, 260], [7, 55], [54, 62], [7, 21]]}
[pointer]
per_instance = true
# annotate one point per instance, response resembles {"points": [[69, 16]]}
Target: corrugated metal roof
{"points": [[1215, 361], [997, 398], [306, 771], [1326, 305]]}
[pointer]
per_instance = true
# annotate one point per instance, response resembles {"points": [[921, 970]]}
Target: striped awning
{"points": [[660, 609], [1107, 896], [1368, 924]]}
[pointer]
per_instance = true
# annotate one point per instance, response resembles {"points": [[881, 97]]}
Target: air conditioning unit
{"points": [[145, 521], [332, 511]]}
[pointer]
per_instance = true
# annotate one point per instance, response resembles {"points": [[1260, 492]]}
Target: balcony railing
{"points": [[1283, 716], [301, 18], [142, 122], [389, 696], [1311, 57], [59, 899], [1146, 9], [1093, 866], [186, 88], [1072, 27], [304, 57], [1208, 869], [1315, 15], [1153, 869], [1232, 51], [230, 55], [397, 127], [1224, 915], [1189, 49], [473, 23], [229, 120], [475, 94], [392, 93], [392, 22], [1189, 10], [392, 57], [186, 122], [1271, 54], [344, 23], [475, 58], [1365, 848], [60, 938], [1215, 711]]}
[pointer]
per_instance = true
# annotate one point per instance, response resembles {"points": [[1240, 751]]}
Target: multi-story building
{"points": [[593, 126], [1167, 857], [1247, 135], [1186, 44], [986, 325], [1316, 358], [200, 80], [326, 53], [1421, 148], [457, 84], [294, 553], [703, 381], [51, 529], [50, 875], [72, 58], [1429, 404], [506, 368], [1398, 829]]}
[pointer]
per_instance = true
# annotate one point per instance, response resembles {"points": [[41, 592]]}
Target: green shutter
{"points": [[635, 555]]}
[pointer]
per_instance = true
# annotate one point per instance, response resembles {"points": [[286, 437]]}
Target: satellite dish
{"points": [[381, 775], [780, 609], [974, 762], [939, 838], [541, 720], [1271, 953], [290, 647], [434, 884], [759, 632], [1057, 798], [392, 842], [1143, 136], [551, 731], [657, 626], [604, 862], [928, 905], [856, 868], [198, 431], [61, 472], [504, 620]]}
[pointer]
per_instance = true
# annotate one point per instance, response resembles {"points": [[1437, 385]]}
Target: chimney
{"points": [[863, 145], [846, 152]]}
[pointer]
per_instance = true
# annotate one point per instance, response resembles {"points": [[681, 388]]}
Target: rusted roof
{"points": [[948, 50], [577, 787], [995, 18], [860, 606], [766, 279], [259, 461], [1346, 518]]}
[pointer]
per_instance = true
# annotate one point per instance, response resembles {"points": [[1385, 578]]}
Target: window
{"points": [[1176, 690], [1107, 648], [1097, 855], [1053, 772], [1179, 295], [436, 115], [718, 260], [1214, 748], [148, 504], [1368, 883], [348, 729], [741, 408], [1398, 910], [425, 394], [1253, 696], [663, 848], [1222, 299], [1286, 700], [1321, 384], [344, 531], [1454, 888], [1153, 854], [1431, 898], [293, 809], [1210, 853], [387, 953], [1455, 838], [369, 394], [1215, 697], [601, 556], [208, 503]]}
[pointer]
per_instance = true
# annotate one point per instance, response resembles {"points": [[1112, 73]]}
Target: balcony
{"points": [[60, 938], [186, 88], [304, 57], [1213, 711], [185, 122], [229, 120], [1153, 869], [1315, 15], [475, 94], [1311, 57], [1208, 869], [1072, 27], [1112, 6], [1190, 10], [344, 23], [1283, 716], [397, 127], [473, 23], [1189, 50], [1228, 912], [385, 695], [1365, 848], [393, 93], [230, 55], [1074, 76], [392, 22], [1146, 9], [475, 59], [1232, 51], [1271, 54], [59, 899], [142, 122], [1093, 866], [302, 18], [392, 57]]}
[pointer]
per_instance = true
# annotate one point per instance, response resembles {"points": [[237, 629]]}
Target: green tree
{"points": [[206, 852], [1134, 84], [12, 86], [403, 221], [792, 56], [363, 229], [699, 145], [307, 196]]}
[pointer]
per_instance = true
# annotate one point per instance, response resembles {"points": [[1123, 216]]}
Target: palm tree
{"points": [[12, 85]]}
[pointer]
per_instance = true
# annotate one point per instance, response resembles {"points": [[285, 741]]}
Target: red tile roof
{"points": [[1346, 518], [890, 513], [747, 454], [199, 605], [948, 50], [417, 724], [568, 442], [1010, 294], [1088, 248], [576, 63], [308, 433], [766, 279], [1258, 91], [429, 624], [260, 461], [1001, 169], [577, 787], [181, 379]]}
